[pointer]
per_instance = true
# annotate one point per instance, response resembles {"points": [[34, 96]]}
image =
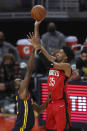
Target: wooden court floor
{"points": [[7, 123]]}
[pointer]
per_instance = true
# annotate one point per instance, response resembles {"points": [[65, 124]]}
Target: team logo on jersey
{"points": [[52, 80], [54, 73]]}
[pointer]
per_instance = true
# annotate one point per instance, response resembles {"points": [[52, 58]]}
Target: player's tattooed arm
{"points": [[40, 109], [23, 91]]}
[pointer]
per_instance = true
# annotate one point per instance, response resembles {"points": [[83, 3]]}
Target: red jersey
{"points": [[56, 83]]}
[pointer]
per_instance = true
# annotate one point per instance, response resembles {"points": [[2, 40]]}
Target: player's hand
{"points": [[37, 23], [30, 37], [34, 40]]}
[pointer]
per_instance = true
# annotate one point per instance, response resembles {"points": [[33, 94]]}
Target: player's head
{"points": [[65, 54]]}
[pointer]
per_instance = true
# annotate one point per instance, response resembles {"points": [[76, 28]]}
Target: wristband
{"points": [[37, 46]]}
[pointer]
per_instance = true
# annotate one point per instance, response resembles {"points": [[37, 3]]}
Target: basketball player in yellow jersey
{"points": [[25, 107]]}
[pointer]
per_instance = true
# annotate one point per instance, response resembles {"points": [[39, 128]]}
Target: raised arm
{"points": [[44, 55], [63, 66], [35, 40], [23, 92], [49, 62]]}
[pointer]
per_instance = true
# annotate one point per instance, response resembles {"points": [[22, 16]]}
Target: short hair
{"points": [[84, 51], [69, 53]]}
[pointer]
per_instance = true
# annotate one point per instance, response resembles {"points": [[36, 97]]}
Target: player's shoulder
{"points": [[66, 65]]}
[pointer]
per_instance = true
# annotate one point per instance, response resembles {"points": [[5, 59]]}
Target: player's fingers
{"points": [[28, 36], [32, 33], [29, 39]]}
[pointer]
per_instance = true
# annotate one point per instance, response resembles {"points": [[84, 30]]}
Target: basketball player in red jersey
{"points": [[59, 73]]}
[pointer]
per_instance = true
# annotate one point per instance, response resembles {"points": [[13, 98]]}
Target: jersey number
{"points": [[51, 81]]}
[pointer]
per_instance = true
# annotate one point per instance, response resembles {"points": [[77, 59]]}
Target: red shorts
{"points": [[56, 116]]}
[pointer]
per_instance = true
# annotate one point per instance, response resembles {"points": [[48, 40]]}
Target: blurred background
{"points": [[67, 14], [70, 18]]}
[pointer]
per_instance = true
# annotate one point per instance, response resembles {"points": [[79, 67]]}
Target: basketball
{"points": [[38, 12]]}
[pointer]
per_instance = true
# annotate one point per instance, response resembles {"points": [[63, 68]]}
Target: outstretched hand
{"points": [[34, 40], [30, 37]]}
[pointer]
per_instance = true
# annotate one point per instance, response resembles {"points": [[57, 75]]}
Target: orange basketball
{"points": [[38, 12]]}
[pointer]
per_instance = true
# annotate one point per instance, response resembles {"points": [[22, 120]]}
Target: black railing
{"points": [[54, 8]]}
